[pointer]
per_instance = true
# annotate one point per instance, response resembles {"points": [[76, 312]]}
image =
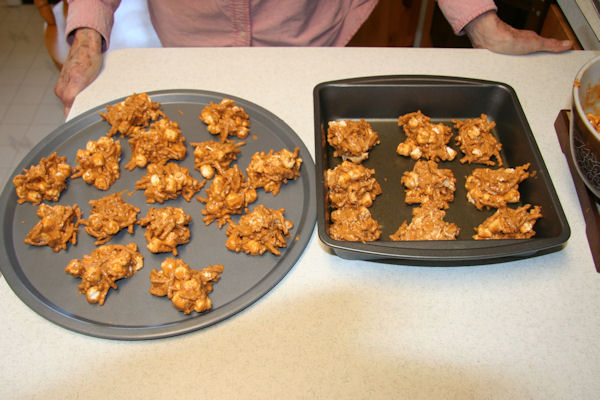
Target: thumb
{"points": [[555, 45], [530, 42]]}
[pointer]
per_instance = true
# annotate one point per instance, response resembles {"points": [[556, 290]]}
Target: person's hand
{"points": [[81, 67], [490, 32]]}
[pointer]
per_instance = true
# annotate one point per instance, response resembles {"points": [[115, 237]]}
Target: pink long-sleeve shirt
{"points": [[254, 22]]}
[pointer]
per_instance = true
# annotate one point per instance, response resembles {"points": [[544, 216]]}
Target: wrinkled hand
{"points": [[490, 32], [81, 67]]}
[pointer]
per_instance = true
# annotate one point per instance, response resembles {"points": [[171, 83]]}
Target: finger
{"points": [[518, 42], [555, 46], [531, 42], [63, 93]]}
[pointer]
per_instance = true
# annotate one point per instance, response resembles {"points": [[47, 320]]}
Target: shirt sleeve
{"points": [[94, 14], [460, 12]]}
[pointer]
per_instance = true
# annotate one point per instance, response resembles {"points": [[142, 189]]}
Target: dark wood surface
{"points": [[587, 200]]}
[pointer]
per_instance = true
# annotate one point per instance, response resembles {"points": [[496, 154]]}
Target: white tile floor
{"points": [[29, 110]]}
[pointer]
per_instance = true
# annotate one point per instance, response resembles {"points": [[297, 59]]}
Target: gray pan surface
{"points": [[36, 274]]}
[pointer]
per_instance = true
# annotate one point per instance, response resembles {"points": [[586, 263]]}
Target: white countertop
{"points": [[334, 328]]}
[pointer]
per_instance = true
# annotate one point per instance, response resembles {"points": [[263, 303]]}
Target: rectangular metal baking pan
{"points": [[380, 101]]}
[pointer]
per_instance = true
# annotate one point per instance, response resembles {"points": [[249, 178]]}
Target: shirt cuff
{"points": [[94, 14], [460, 12]]}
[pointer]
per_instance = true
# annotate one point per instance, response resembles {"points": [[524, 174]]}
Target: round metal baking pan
{"points": [[36, 274]]}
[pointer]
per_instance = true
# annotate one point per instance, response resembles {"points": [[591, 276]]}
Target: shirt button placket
{"points": [[240, 13]]}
